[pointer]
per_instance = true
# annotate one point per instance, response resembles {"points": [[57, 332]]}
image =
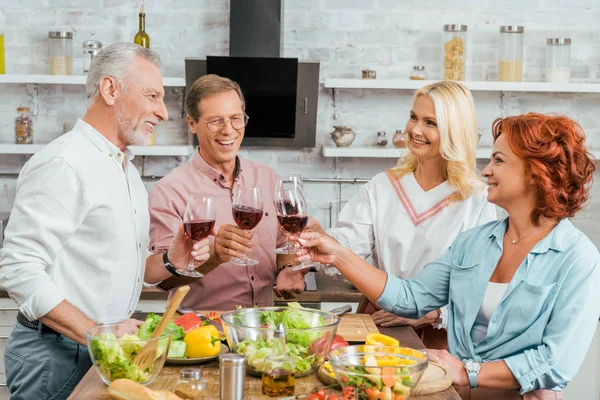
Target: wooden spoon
{"points": [[149, 352]]}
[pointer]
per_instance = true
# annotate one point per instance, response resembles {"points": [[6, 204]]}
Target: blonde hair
{"points": [[457, 124], [206, 86]]}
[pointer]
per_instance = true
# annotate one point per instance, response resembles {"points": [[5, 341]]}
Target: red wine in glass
{"points": [[246, 217], [198, 229], [198, 222], [247, 210], [293, 223]]}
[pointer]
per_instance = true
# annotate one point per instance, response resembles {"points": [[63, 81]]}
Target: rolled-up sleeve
{"points": [[49, 207], [164, 216], [415, 297], [568, 334]]}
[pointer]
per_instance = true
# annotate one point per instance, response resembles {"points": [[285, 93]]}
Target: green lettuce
{"points": [[115, 357], [152, 321]]}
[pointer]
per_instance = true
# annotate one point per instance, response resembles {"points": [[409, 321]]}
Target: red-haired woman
{"points": [[521, 292]]}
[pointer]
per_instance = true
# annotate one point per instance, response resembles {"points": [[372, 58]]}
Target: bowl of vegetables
{"points": [[112, 351], [113, 347], [379, 372], [309, 334]]}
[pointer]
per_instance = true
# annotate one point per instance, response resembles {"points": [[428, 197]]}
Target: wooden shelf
{"points": [[28, 149], [71, 80], [404, 84], [392, 152]]}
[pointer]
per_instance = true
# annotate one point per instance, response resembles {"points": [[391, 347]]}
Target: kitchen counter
{"points": [[328, 290], [92, 388]]}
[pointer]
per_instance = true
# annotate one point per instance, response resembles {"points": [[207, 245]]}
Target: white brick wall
{"points": [[389, 36]]}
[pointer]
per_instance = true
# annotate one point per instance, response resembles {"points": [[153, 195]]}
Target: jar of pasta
{"points": [[60, 49], [455, 42], [510, 58]]}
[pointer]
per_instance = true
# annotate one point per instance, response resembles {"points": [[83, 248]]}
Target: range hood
{"points": [[255, 28]]}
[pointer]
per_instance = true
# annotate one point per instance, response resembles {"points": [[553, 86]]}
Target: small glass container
{"points": [[455, 47], [2, 66], [23, 126], [190, 385], [382, 140], [60, 49], [558, 60], [418, 73], [369, 74], [399, 139], [278, 371], [510, 58], [91, 48]]}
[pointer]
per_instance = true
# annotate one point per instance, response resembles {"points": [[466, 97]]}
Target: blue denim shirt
{"points": [[545, 321]]}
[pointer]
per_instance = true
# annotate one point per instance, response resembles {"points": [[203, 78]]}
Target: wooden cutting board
{"points": [[356, 327], [436, 378]]}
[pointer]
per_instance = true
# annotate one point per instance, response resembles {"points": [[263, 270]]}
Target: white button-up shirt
{"points": [[78, 230]]}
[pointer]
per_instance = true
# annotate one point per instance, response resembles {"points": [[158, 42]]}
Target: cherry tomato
{"points": [[348, 390], [313, 396], [321, 393], [348, 397], [333, 397]]}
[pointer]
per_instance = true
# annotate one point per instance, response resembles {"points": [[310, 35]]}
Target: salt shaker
{"points": [[232, 372]]}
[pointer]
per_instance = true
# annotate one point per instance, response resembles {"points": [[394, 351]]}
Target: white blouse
{"points": [[404, 227]]}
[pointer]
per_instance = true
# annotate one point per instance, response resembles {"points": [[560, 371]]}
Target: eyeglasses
{"points": [[216, 124]]}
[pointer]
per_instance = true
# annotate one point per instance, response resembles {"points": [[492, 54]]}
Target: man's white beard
{"points": [[131, 136]]}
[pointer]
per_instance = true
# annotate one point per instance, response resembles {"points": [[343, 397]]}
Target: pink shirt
{"points": [[228, 285]]}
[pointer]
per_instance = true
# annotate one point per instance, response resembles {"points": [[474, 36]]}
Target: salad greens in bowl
{"points": [[309, 334], [113, 347]]}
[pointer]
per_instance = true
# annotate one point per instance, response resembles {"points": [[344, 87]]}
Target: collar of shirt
{"points": [[102, 143], [212, 173], [555, 240]]}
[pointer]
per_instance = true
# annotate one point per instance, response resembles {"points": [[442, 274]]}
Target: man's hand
{"points": [[289, 283], [387, 319], [128, 326], [182, 248], [232, 241]]}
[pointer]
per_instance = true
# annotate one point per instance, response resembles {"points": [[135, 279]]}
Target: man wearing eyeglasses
{"points": [[215, 108]]}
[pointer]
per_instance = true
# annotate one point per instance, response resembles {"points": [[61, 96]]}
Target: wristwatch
{"points": [[473, 368], [171, 268]]}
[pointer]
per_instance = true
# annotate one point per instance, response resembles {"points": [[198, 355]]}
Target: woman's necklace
{"points": [[529, 234]]}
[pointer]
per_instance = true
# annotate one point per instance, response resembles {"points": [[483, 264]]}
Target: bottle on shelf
{"points": [[141, 37]]}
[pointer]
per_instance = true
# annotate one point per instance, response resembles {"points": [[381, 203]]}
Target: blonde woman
{"points": [[407, 216]]}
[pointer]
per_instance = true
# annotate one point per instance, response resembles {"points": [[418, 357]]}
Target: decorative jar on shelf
{"points": [[399, 139], [23, 126], [343, 136]]}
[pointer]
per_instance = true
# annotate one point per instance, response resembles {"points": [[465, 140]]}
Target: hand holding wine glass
{"points": [[247, 209], [292, 214], [198, 222]]}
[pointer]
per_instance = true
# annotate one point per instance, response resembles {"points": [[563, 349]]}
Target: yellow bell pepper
{"points": [[379, 339], [202, 342]]}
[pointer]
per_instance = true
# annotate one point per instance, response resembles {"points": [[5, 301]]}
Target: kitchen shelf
{"points": [[28, 149], [404, 84], [392, 152], [70, 80]]}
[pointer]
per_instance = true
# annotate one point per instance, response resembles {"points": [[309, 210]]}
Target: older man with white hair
{"points": [[75, 249]]}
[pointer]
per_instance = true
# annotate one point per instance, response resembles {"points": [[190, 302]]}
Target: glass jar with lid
{"points": [[190, 385], [418, 73], [60, 50], [558, 59], [510, 58], [455, 44], [23, 126], [91, 48]]}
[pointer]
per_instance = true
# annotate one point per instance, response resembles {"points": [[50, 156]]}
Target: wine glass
{"points": [[198, 221], [292, 214], [281, 184], [247, 208]]}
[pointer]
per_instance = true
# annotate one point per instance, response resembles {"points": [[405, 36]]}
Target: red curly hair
{"points": [[556, 158]]}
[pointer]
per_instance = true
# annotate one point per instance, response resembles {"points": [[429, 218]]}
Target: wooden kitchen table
{"points": [[91, 386]]}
